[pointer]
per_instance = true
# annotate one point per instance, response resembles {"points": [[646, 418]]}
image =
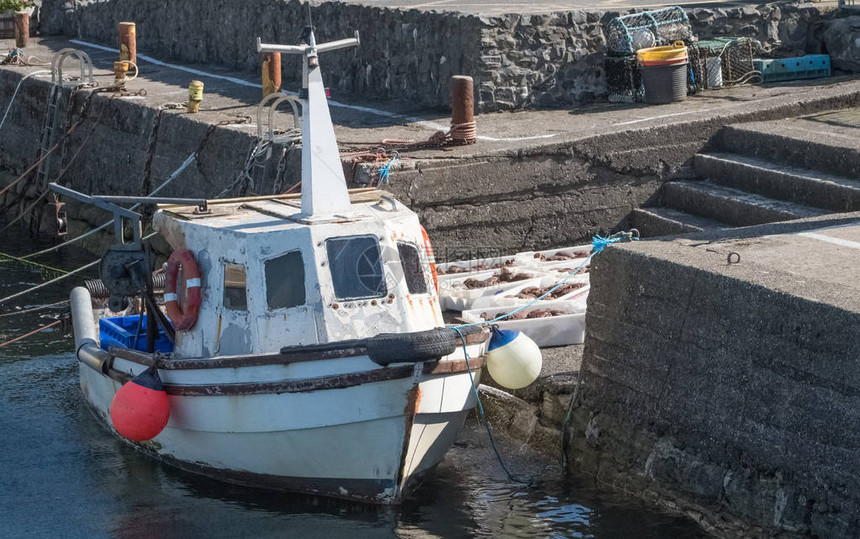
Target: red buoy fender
{"points": [[183, 316], [431, 257], [140, 409]]}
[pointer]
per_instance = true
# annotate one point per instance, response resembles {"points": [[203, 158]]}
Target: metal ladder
{"points": [[53, 120], [47, 136]]}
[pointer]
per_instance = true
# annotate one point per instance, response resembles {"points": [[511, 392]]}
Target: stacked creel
{"points": [[664, 73]]}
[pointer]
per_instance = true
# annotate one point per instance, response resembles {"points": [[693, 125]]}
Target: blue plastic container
{"points": [[811, 66], [121, 330]]}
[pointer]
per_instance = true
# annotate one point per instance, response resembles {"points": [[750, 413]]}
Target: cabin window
{"points": [[285, 281], [413, 273], [356, 267], [235, 287]]}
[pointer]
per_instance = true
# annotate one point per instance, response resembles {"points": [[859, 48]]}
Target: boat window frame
{"points": [[224, 264], [381, 262], [422, 270], [265, 263]]}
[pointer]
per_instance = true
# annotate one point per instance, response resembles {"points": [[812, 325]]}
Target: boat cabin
{"points": [[271, 278]]}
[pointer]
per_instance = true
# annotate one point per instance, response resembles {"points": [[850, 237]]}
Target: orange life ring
{"points": [[431, 257], [183, 316]]}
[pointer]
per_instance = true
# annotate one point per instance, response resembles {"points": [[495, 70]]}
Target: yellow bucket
{"points": [[676, 52]]}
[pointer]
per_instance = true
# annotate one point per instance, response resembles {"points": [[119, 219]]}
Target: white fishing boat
{"points": [[303, 348]]}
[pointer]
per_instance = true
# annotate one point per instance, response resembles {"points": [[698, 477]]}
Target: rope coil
{"points": [[465, 133]]}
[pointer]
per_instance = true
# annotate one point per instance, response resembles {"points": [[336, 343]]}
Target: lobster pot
{"points": [[627, 34], [734, 56], [623, 80], [664, 83]]}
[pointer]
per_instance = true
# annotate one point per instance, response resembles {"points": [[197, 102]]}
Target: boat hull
{"points": [[369, 442]]}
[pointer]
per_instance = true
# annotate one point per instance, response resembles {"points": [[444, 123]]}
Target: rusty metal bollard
{"points": [[463, 127], [22, 29], [128, 42], [271, 73]]}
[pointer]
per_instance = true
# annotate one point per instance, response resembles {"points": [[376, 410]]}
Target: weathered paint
{"points": [[245, 436]]}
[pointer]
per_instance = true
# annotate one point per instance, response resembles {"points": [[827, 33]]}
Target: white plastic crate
{"points": [[454, 296], [503, 298], [491, 263], [560, 330], [530, 259]]}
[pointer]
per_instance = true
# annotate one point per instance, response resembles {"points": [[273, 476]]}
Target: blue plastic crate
{"points": [[120, 331], [811, 66]]}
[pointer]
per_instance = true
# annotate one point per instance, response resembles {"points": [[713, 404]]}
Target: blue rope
{"points": [[598, 243], [385, 171]]}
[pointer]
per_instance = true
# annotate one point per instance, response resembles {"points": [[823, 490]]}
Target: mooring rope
{"points": [[52, 281], [62, 173], [483, 416], [46, 269], [60, 278], [173, 176], [385, 171], [34, 309], [44, 156], [598, 244], [43, 328]]}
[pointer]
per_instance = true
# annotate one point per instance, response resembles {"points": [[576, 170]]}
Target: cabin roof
{"points": [[253, 215]]}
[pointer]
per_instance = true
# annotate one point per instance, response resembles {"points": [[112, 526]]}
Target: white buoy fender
{"points": [[513, 359]]}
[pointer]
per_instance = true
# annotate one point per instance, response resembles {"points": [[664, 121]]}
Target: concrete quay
{"points": [[719, 375], [569, 175]]}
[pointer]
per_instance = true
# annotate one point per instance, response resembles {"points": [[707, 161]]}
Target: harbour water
{"points": [[64, 475]]}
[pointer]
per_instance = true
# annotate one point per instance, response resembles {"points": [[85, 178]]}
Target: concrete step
{"points": [[803, 186], [663, 221], [731, 206], [796, 143]]}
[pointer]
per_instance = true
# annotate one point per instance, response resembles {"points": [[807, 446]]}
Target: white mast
{"points": [[324, 190]]}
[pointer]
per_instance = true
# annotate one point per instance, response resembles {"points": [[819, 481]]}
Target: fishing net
{"points": [[623, 81]]}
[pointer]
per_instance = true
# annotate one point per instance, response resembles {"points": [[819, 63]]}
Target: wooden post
{"points": [[128, 42], [271, 73], [195, 96], [22, 29], [463, 129]]}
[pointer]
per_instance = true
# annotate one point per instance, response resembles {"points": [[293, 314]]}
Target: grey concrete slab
{"points": [[361, 124], [814, 259]]}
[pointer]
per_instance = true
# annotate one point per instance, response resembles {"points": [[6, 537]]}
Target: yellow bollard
{"points": [[195, 96], [120, 73]]}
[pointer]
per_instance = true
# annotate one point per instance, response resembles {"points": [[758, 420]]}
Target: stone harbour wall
{"points": [[544, 61], [107, 152], [518, 61], [721, 392], [406, 55]]}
